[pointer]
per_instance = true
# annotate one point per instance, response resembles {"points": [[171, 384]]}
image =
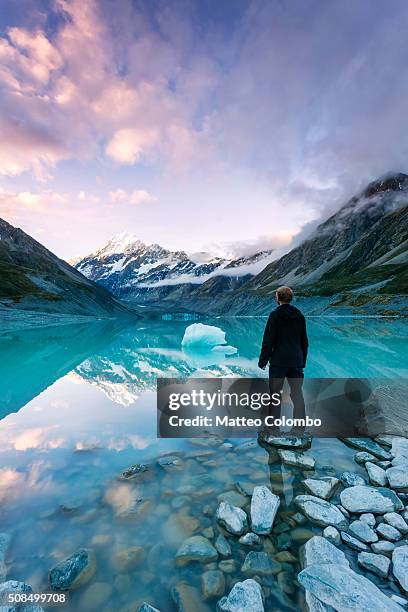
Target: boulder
{"points": [[378, 564], [361, 499], [264, 506], [322, 487], [343, 589], [296, 459], [74, 571], [196, 548], [320, 511], [363, 532], [232, 518], [398, 476], [376, 474], [244, 597], [400, 565]]}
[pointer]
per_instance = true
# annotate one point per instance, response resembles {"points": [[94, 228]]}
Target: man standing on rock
{"points": [[285, 346]]}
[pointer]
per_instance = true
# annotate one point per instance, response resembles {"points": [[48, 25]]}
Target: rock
{"points": [[396, 520], [145, 607], [212, 584], [369, 518], [401, 461], [401, 601], [232, 518], [222, 546], [234, 498], [362, 457], [332, 535], [320, 512], [74, 571], [129, 558], [384, 464], [284, 556], [14, 587], [320, 550], [296, 459], [134, 471], [322, 487], [369, 446], [250, 539], [5, 539], [299, 518], [291, 442], [196, 548], [376, 474], [363, 532], [400, 565], [245, 596], [378, 564], [398, 477], [301, 534], [345, 512], [399, 447], [95, 596], [264, 506], [388, 532], [351, 479], [170, 462], [353, 542], [245, 488], [260, 564], [187, 598], [383, 548], [370, 499], [228, 566], [343, 589]]}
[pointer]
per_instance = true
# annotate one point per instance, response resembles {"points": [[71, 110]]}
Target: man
{"points": [[285, 346]]}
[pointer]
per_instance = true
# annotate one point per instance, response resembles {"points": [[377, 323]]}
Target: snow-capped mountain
{"points": [[136, 272]]}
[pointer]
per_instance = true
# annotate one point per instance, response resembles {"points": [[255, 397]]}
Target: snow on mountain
{"points": [[130, 269]]}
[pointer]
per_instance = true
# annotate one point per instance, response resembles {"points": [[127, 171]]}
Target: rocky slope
{"points": [[32, 279]]}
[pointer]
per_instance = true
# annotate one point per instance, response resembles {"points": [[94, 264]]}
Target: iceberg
{"points": [[206, 338]]}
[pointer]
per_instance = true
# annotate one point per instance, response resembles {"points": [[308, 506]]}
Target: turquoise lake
{"points": [[78, 407]]}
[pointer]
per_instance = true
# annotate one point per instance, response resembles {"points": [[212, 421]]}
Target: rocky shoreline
{"points": [[341, 543]]}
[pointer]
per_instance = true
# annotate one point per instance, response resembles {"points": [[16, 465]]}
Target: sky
{"points": [[224, 125]]}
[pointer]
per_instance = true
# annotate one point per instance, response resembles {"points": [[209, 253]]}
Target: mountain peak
{"points": [[120, 243]]}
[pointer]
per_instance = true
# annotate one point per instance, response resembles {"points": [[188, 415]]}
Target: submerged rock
{"points": [[398, 477], [400, 565], [232, 518], [212, 584], [129, 558], [362, 457], [351, 479], [145, 607], [134, 471], [264, 506], [363, 532], [291, 442], [74, 571], [245, 596], [222, 546], [322, 487], [369, 446], [96, 595], [376, 474], [260, 564], [234, 498], [5, 539], [370, 499], [14, 587], [320, 512], [296, 459], [378, 564], [196, 548], [187, 598], [170, 462], [343, 589]]}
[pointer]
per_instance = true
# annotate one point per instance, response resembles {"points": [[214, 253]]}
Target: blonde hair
{"points": [[284, 294]]}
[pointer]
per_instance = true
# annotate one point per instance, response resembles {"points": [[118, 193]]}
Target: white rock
{"points": [[250, 539], [320, 550], [370, 499], [382, 547], [399, 447], [322, 487], [378, 564], [232, 518], [332, 535], [353, 542], [369, 518], [244, 596], [396, 520], [369, 446], [343, 589], [320, 511], [296, 459], [398, 477], [264, 506], [351, 479], [400, 565], [377, 475], [363, 532], [388, 532]]}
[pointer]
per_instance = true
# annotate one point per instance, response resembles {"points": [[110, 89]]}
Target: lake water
{"points": [[77, 408]]}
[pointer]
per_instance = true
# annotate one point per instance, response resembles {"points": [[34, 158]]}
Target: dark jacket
{"points": [[285, 340]]}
